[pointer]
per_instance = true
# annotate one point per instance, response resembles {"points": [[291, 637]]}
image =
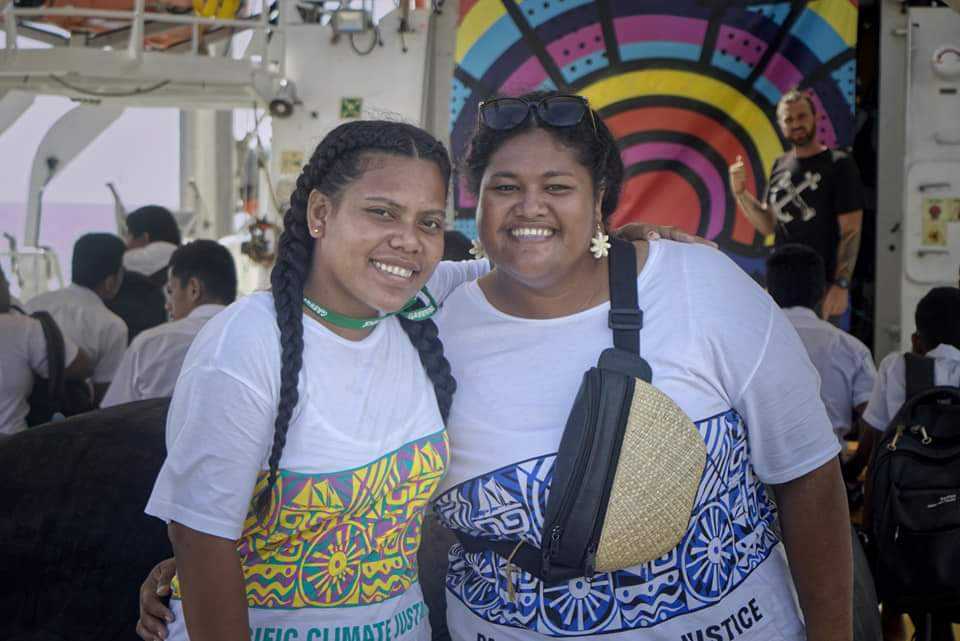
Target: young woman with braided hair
{"points": [[306, 432]]}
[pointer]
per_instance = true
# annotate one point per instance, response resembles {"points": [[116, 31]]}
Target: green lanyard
{"points": [[410, 311]]}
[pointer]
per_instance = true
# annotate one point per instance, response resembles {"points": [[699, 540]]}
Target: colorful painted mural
{"points": [[685, 85]]}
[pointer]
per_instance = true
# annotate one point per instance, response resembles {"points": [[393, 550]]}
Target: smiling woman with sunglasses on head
{"points": [[547, 174]]}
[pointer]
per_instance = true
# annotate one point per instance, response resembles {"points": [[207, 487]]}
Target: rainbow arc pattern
{"points": [[686, 86]]}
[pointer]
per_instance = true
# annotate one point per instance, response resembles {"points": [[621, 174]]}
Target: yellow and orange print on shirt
{"points": [[342, 539]]}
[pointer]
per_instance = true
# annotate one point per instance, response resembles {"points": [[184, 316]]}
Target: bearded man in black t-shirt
{"points": [[814, 197]]}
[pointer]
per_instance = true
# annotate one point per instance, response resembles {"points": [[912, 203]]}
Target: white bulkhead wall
{"points": [[931, 198], [391, 81], [918, 111]]}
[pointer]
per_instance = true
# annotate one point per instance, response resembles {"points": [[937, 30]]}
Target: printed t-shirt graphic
{"points": [[517, 380], [807, 195], [335, 557], [342, 539]]}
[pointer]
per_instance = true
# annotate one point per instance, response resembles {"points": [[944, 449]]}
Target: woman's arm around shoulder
{"points": [[212, 585]]}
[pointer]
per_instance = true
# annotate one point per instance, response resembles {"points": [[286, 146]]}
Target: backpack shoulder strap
{"points": [[919, 374], [56, 356], [626, 319]]}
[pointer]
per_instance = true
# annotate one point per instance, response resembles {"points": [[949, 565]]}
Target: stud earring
{"points": [[600, 244], [477, 250]]}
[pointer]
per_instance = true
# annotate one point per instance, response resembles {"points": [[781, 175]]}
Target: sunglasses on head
{"points": [[502, 114]]}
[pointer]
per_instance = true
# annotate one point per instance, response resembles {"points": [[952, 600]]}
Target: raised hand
{"points": [[738, 177]]}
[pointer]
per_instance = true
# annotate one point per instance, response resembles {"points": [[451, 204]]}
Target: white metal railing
{"points": [[138, 16], [33, 268]]}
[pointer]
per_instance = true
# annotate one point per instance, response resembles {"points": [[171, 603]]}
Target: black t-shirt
{"points": [[807, 194]]}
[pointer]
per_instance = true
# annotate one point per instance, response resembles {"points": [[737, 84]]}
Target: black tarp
{"points": [[75, 544]]}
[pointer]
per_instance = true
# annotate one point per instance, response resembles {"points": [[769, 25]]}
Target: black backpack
{"points": [[915, 497]]}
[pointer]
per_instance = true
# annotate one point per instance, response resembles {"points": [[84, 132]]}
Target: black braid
{"points": [[336, 162]]}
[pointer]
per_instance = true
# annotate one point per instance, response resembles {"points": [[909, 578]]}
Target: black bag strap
{"points": [[56, 357], [626, 319], [919, 374]]}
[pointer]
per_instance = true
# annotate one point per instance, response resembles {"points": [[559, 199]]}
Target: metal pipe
{"points": [[10, 27], [264, 25], [195, 38], [282, 21], [130, 15], [135, 46]]}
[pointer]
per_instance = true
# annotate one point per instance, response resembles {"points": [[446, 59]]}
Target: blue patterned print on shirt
{"points": [[729, 535]]}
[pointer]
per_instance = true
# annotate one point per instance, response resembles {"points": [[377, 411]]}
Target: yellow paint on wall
{"points": [[695, 87], [477, 22], [841, 15]]}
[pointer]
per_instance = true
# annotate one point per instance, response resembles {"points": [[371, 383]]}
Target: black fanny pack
{"points": [[602, 512]]}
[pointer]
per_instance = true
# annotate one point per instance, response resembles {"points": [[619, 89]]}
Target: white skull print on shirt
{"points": [[785, 196]]}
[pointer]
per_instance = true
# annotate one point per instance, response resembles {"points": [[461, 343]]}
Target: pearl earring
{"points": [[600, 244]]}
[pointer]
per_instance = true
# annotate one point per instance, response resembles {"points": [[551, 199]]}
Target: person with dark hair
{"points": [[814, 197], [202, 281], [80, 309], [152, 237], [547, 174], [796, 281], [937, 336], [456, 246], [306, 432], [24, 356], [200, 272]]}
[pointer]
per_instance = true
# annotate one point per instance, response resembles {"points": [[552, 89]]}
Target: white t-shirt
{"points": [[722, 349], [890, 392], [23, 354], [84, 318], [151, 364], [845, 365], [149, 259], [365, 452]]}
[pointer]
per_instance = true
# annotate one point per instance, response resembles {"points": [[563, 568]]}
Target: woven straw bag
{"points": [[654, 488]]}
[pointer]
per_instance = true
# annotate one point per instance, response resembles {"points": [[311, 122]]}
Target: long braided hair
{"points": [[337, 161]]}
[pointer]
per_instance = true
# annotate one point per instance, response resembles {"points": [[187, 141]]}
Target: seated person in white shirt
{"points": [[79, 309], [23, 355], [797, 282], [152, 237], [202, 280]]}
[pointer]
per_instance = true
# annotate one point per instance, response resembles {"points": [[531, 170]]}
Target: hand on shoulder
{"points": [[649, 231]]}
